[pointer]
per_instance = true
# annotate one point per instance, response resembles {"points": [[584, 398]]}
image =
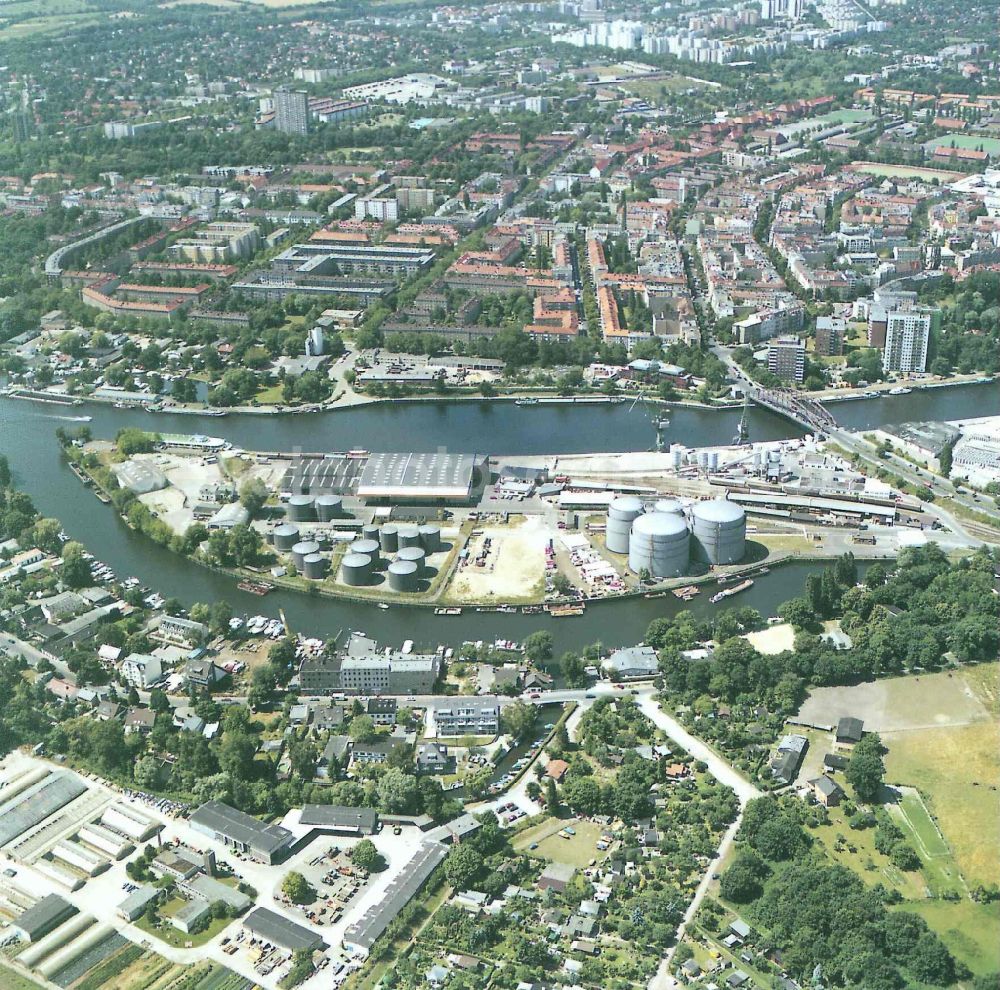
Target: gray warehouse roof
{"points": [[428, 475], [240, 827], [366, 930], [34, 804], [278, 930], [43, 916], [335, 816]]}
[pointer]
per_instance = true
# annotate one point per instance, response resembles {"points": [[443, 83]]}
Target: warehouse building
{"points": [[362, 934], [278, 930], [339, 820], [437, 478], [36, 803], [265, 843]]}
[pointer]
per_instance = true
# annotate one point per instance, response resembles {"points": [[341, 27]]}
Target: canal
{"points": [[27, 437]]}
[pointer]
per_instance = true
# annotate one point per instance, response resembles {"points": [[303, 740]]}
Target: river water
{"points": [[27, 438]]}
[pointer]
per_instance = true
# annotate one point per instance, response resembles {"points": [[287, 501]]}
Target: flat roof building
{"points": [[418, 477], [336, 818], [278, 930], [266, 843], [43, 917]]}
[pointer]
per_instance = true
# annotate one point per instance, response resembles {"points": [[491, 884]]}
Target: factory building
{"points": [[264, 843]]}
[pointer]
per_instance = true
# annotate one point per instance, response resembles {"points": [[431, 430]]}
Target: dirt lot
{"points": [[514, 569], [774, 639], [928, 701]]}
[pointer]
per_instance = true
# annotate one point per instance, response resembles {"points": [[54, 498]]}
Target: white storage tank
{"points": [[713, 461], [314, 567], [409, 536], [356, 569], [300, 508], [659, 543], [415, 556], [328, 507], [621, 512], [430, 538], [669, 506], [369, 531], [677, 457], [388, 539], [301, 550], [403, 576], [719, 528], [286, 536], [369, 548]]}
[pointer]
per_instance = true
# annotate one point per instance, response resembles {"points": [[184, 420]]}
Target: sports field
{"points": [[973, 141], [578, 850], [907, 172]]}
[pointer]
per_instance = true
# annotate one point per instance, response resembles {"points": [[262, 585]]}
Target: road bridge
{"points": [[808, 413]]}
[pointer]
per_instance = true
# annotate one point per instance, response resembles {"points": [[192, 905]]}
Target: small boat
{"points": [[255, 587], [528, 400], [728, 592], [686, 593], [447, 611], [106, 499], [383, 605], [900, 390]]}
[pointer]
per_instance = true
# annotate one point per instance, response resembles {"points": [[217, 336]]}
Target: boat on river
{"points": [[451, 610], [729, 592], [255, 587], [528, 400]]}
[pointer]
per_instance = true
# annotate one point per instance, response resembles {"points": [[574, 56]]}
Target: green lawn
{"points": [[166, 932], [10, 979], [578, 850], [974, 141], [971, 931]]}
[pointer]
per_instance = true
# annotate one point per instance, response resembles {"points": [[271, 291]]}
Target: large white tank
{"points": [[719, 528], [659, 543], [670, 506], [621, 512]]}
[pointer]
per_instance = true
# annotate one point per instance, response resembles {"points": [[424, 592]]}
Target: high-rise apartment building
{"points": [[786, 358], [907, 333], [291, 111]]}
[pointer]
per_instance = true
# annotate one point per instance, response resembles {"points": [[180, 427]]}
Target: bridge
{"points": [[808, 413]]}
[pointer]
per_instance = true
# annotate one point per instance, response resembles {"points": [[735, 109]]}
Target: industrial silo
{"points": [[719, 528], [369, 532], [409, 536], [300, 508], [669, 506], [713, 461], [430, 538], [329, 507], [314, 566], [677, 457], [301, 550], [403, 575], [388, 539], [659, 543], [414, 555], [621, 512], [369, 548], [356, 569], [285, 536]]}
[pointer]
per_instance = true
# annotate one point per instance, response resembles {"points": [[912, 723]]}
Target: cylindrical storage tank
{"points": [[403, 575], [659, 543], [621, 512], [668, 506], [414, 555], [430, 538], [301, 550], [369, 532], [369, 548], [677, 456], [713, 461], [409, 536], [719, 528], [328, 507], [314, 567], [388, 539], [285, 536], [356, 569], [300, 508]]}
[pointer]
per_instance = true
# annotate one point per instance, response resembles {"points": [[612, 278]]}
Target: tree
{"points": [[518, 720], [75, 569], [463, 866], [538, 646], [253, 495], [398, 792], [366, 857], [743, 881], [798, 611], [865, 769], [134, 441], [296, 888], [362, 729]]}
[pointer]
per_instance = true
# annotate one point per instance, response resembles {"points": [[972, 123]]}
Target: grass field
{"points": [[939, 869], [971, 931], [984, 683], [578, 851], [954, 768], [975, 141]]}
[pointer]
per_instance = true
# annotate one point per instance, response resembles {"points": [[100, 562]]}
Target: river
{"points": [[27, 438]]}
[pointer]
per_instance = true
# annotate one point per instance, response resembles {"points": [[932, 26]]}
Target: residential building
{"points": [[468, 717], [830, 334], [141, 671], [907, 334], [291, 111], [786, 358]]}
